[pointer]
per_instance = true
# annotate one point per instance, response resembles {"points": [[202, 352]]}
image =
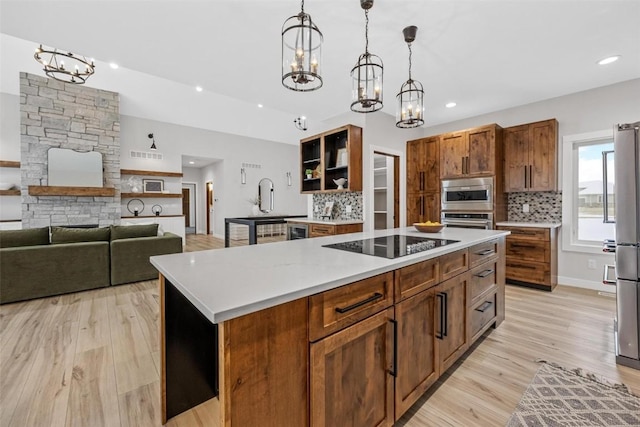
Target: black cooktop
{"points": [[391, 247]]}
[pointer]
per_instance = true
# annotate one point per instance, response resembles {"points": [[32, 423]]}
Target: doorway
{"points": [[189, 207], [209, 200], [386, 190]]}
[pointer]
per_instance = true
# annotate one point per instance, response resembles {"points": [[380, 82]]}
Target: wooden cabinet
{"points": [[532, 257], [486, 286], [351, 382], [451, 309], [319, 230], [331, 156], [471, 152], [530, 153], [418, 360], [423, 180]]}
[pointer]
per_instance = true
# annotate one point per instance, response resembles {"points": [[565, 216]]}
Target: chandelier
{"points": [[301, 53], [410, 110], [366, 76], [77, 70]]}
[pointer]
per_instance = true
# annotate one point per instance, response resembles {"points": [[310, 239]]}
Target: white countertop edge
{"points": [[530, 224], [391, 264], [328, 222]]}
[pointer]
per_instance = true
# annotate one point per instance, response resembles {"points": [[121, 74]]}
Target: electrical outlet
{"points": [[525, 208], [591, 264], [348, 209], [316, 209]]}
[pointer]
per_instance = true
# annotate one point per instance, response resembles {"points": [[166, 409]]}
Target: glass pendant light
{"points": [[301, 53], [366, 76], [410, 109]]}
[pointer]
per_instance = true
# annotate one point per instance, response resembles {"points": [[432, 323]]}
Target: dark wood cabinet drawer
{"points": [[527, 233], [316, 230], [453, 264], [528, 272], [338, 308], [482, 278], [416, 278], [483, 314], [528, 250], [483, 252]]}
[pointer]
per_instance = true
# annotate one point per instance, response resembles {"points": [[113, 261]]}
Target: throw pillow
{"points": [[132, 231], [73, 235], [25, 237]]}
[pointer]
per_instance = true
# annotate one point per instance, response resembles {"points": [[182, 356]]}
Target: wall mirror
{"points": [[69, 168], [265, 195]]}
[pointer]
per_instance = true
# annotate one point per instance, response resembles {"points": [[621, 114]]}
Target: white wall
{"points": [[581, 112], [174, 141]]}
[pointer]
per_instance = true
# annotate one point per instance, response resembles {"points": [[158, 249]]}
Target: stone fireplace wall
{"points": [[77, 117]]}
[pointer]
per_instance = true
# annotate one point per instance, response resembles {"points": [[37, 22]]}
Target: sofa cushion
{"points": [[24, 237], [132, 231], [74, 235]]}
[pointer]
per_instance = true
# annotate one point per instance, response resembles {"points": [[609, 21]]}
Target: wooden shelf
{"points": [[151, 195], [45, 190], [9, 164], [150, 173], [9, 192]]}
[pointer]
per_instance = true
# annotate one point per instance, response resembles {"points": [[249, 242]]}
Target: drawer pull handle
{"points": [[517, 245], [485, 252], [484, 273], [372, 298], [528, 267], [484, 307]]}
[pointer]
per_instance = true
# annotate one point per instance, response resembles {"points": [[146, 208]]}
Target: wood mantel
{"points": [[45, 190]]}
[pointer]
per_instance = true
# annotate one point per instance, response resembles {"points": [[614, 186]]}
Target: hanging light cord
{"points": [[366, 31], [302, 6], [410, 52]]}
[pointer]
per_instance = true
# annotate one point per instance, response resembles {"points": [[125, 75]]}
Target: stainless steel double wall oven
{"points": [[468, 203]]}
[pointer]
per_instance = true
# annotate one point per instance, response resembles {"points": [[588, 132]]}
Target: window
{"points": [[588, 208]]}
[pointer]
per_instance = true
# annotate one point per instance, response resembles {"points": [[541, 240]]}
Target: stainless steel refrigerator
{"points": [[627, 193]]}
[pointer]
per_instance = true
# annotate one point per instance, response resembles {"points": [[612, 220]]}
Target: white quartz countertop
{"points": [[328, 222], [231, 282], [530, 224]]}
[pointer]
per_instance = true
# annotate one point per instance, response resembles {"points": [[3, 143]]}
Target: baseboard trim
{"points": [[585, 284]]}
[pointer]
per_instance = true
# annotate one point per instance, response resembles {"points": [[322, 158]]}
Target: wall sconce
{"points": [[289, 183], [300, 123], [153, 144], [243, 176]]}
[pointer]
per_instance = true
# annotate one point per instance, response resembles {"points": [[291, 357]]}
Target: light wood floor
{"points": [[91, 358]]}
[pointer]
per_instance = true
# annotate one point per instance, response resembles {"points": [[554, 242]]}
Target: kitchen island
{"points": [[295, 333]]}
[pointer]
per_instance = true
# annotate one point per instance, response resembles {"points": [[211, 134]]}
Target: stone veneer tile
{"points": [[64, 115]]}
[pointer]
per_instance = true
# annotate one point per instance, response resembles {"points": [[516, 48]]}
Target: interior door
{"points": [[186, 206]]}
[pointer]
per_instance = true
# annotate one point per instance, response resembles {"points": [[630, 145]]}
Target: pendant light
{"points": [[366, 76], [410, 110], [301, 53]]}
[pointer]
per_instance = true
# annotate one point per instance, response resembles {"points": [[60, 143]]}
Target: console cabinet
{"points": [[329, 156], [530, 156]]}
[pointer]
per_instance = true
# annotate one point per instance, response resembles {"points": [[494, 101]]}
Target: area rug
{"points": [[562, 397]]}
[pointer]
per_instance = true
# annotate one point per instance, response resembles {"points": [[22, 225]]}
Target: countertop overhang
{"points": [[308, 220], [231, 282], [529, 224]]}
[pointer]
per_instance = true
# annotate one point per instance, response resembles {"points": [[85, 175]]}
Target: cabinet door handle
{"points": [[484, 252], [394, 368], [525, 177], [530, 176], [484, 273], [445, 317], [353, 306], [484, 307], [421, 181], [440, 296], [467, 164]]}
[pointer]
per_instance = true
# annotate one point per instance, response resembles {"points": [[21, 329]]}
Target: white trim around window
{"points": [[570, 145]]}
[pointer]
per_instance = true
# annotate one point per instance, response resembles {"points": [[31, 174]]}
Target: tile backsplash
{"points": [[340, 203], [543, 206]]}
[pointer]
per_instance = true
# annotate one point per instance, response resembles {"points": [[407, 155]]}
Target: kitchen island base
{"points": [[352, 354]]}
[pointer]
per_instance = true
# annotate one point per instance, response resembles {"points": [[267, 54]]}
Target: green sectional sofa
{"points": [[41, 262]]}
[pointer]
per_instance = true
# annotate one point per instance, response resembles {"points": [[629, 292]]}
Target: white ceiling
{"points": [[486, 55]]}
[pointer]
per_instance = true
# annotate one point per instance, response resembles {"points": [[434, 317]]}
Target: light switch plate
{"points": [[348, 209], [525, 208]]}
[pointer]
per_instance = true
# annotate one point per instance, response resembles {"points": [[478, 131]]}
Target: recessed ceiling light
{"points": [[260, 105], [113, 65], [192, 162], [450, 104], [199, 88], [609, 60]]}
